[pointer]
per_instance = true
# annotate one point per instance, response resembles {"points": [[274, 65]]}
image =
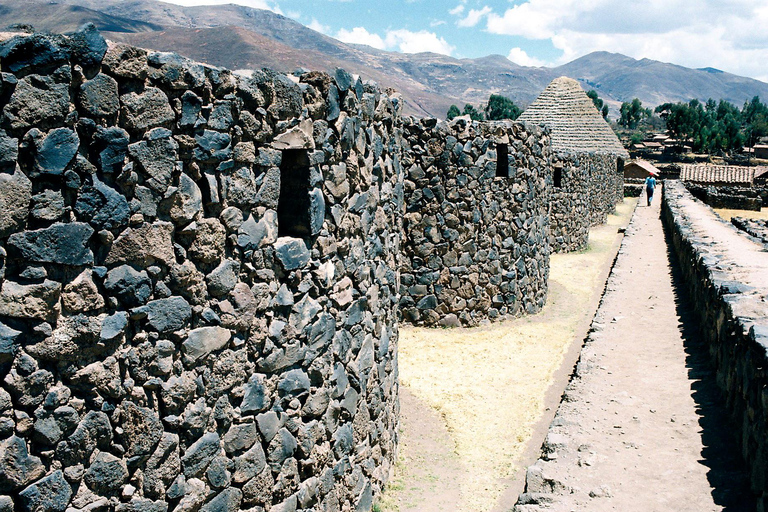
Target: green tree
{"points": [[599, 103], [472, 112], [632, 112], [453, 111], [500, 107], [755, 119]]}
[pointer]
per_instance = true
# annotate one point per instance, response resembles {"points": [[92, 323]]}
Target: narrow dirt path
{"points": [[642, 427]]}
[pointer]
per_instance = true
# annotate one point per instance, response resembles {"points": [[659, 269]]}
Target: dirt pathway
{"points": [[642, 426], [476, 403]]}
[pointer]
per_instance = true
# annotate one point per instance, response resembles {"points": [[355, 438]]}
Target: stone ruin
{"points": [[587, 163], [476, 221], [201, 274]]}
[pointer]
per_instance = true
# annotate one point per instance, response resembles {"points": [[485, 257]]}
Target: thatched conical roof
{"points": [[575, 122]]}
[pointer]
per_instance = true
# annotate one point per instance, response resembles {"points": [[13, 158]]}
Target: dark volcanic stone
{"points": [[102, 206], [157, 156], [50, 494], [41, 101], [316, 211], [9, 152], [223, 278], [227, 500], [212, 146], [291, 252], [48, 205], [131, 287], [113, 326], [8, 340], [191, 105], [343, 79], [142, 505], [54, 153], [99, 96], [287, 101], [112, 146], [87, 46], [33, 53], [165, 315], [106, 474], [200, 454], [294, 383], [65, 244], [255, 398]]}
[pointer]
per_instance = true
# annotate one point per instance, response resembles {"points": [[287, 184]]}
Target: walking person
{"points": [[650, 186]]}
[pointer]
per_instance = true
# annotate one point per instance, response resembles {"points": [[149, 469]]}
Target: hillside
{"points": [[244, 38]]}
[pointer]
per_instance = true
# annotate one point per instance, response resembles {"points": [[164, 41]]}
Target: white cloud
{"points": [[457, 10], [473, 17], [402, 40], [319, 27], [360, 35], [519, 56], [416, 42], [256, 4], [726, 34]]}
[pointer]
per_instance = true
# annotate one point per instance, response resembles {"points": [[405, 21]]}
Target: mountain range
{"points": [[243, 38]]}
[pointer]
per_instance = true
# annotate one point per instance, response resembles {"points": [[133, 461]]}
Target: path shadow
{"points": [[728, 474]]}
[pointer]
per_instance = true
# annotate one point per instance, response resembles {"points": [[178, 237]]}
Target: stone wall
{"points": [[198, 283], [476, 245], [606, 185], [587, 187], [569, 210], [734, 198], [756, 228], [734, 325]]}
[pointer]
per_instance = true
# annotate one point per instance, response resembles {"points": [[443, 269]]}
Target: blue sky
{"points": [[731, 35]]}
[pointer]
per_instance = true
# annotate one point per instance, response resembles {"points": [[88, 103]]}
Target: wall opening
{"points": [[502, 161], [293, 217], [620, 166], [557, 177]]}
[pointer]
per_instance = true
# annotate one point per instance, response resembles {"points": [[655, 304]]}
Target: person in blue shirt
{"points": [[650, 186]]}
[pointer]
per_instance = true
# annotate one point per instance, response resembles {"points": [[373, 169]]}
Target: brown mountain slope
{"points": [[244, 38], [54, 17]]}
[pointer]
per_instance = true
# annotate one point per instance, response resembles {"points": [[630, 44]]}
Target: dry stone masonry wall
{"points": [[198, 283], [569, 210], [587, 186], [734, 325], [476, 223], [606, 185]]}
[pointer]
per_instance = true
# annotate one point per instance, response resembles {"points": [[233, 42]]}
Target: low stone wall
{"points": [[756, 228], [734, 324], [476, 243], [733, 198], [198, 283]]}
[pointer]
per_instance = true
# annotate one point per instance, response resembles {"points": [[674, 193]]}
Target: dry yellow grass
{"points": [[727, 214], [489, 383]]}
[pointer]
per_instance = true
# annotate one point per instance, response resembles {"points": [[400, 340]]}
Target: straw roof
{"points": [[575, 122]]}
